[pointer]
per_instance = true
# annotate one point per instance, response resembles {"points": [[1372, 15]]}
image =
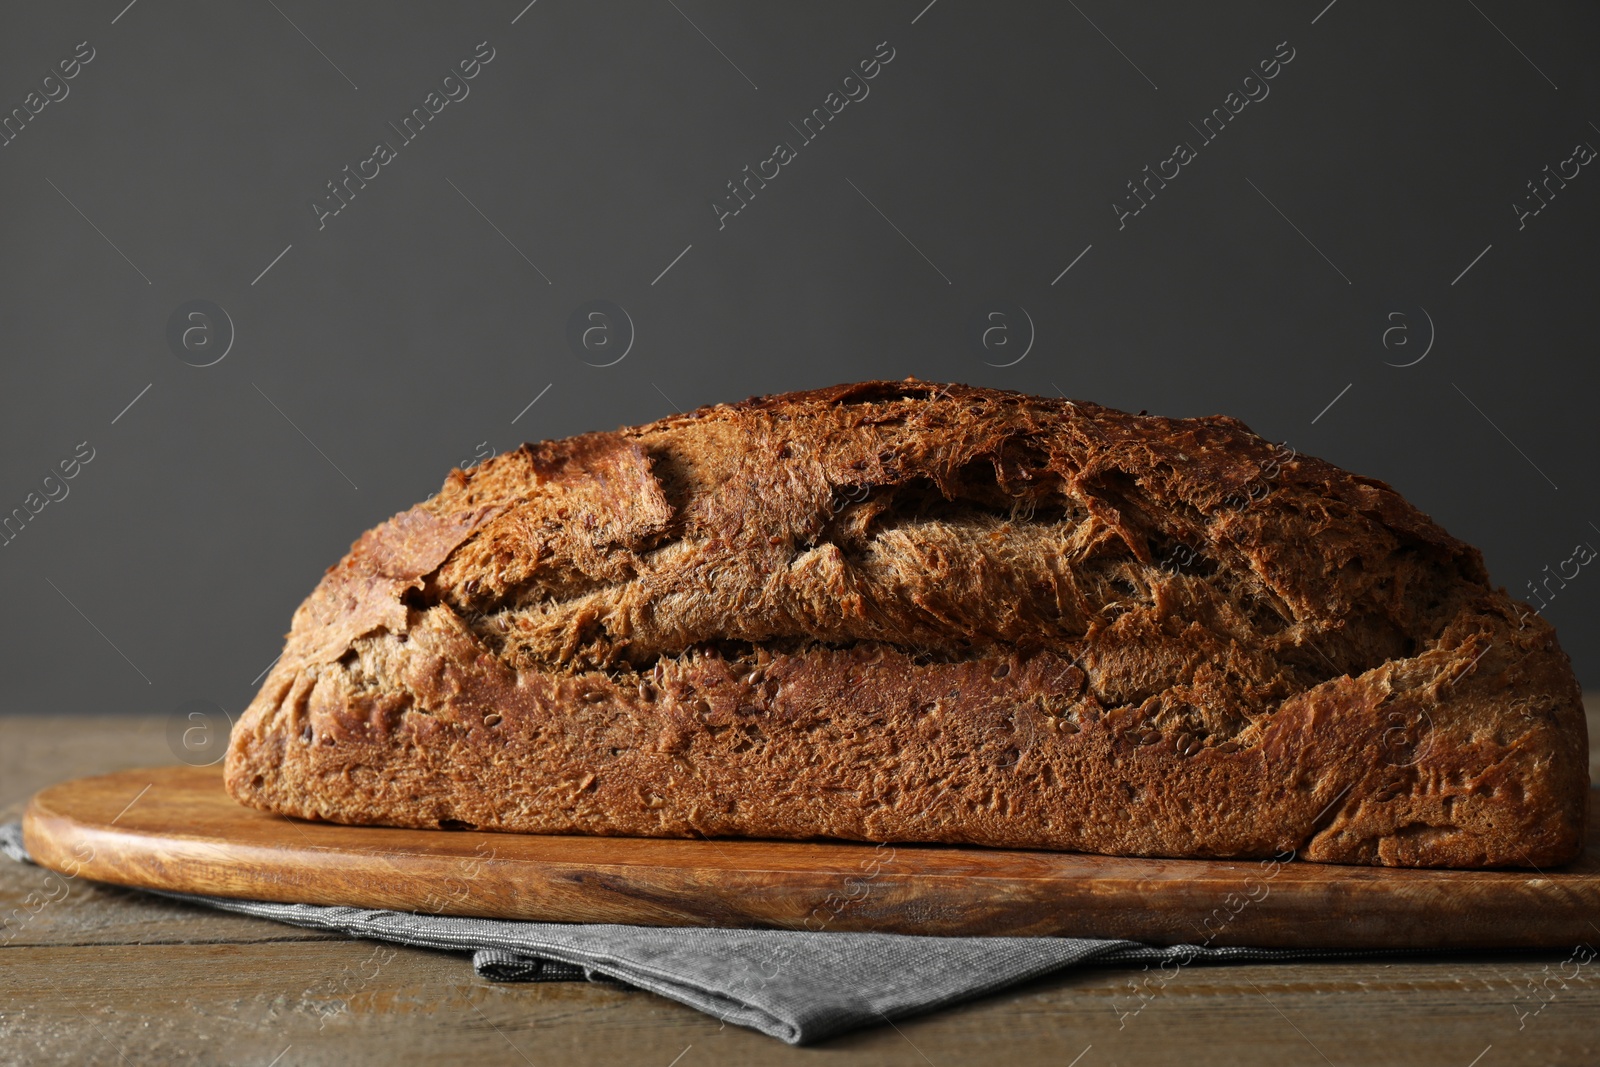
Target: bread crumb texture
{"points": [[906, 611]]}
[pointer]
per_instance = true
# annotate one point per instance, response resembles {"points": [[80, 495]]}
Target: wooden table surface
{"points": [[110, 976]]}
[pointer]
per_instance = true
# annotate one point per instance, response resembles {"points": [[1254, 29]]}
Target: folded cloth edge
{"points": [[662, 960]]}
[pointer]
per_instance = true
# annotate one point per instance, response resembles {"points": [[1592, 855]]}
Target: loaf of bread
{"points": [[912, 612]]}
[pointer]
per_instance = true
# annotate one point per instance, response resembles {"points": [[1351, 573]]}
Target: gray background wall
{"points": [[412, 330]]}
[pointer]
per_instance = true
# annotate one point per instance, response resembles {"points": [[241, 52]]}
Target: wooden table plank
{"points": [[108, 976], [242, 1004], [40, 750]]}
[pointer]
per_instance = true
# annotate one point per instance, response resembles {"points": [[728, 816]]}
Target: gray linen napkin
{"points": [[796, 986]]}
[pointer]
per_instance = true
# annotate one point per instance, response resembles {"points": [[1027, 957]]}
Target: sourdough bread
{"points": [[904, 611]]}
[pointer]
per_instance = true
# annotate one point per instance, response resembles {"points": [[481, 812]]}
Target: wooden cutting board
{"points": [[175, 828]]}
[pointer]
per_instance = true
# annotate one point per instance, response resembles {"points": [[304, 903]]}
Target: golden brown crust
{"points": [[917, 612]]}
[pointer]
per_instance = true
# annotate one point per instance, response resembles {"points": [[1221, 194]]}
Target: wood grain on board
{"points": [[175, 828]]}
